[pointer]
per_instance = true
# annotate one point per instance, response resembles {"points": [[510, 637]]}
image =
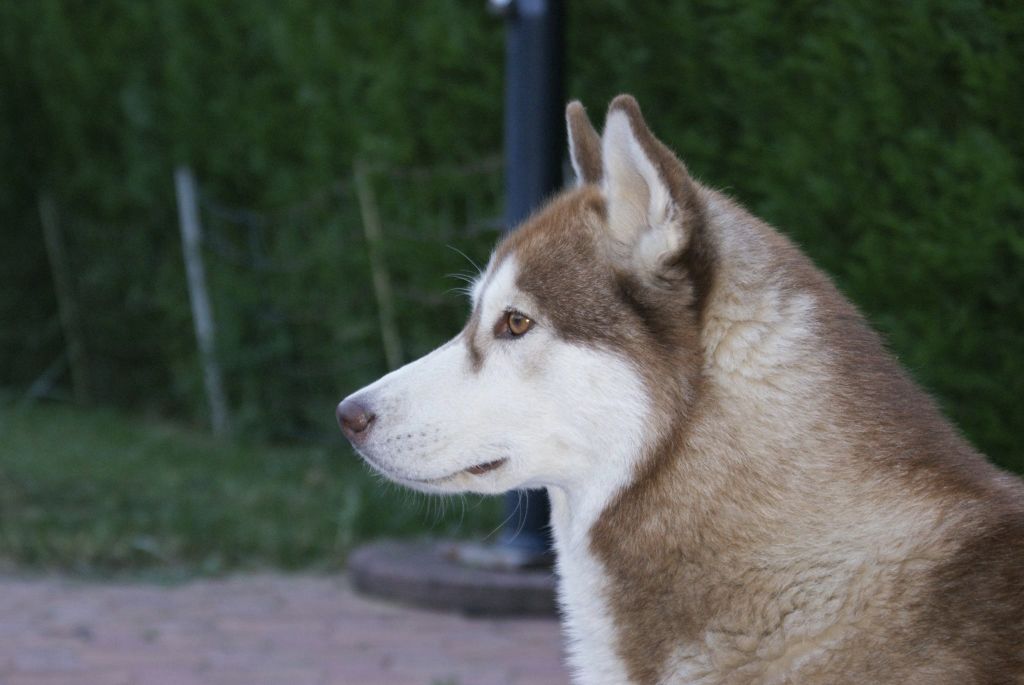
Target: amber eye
{"points": [[517, 323]]}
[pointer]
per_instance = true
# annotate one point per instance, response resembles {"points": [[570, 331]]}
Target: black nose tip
{"points": [[354, 419]]}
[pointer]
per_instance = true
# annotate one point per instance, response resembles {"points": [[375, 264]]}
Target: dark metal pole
{"points": [[534, 105], [534, 148]]}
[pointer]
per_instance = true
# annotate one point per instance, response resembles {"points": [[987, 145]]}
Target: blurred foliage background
{"points": [[887, 138]]}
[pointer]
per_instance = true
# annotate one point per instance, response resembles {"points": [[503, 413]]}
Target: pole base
{"points": [[437, 575]]}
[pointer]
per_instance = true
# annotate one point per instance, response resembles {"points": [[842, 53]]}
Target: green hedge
{"points": [[885, 137]]}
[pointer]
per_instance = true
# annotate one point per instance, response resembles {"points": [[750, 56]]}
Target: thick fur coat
{"points": [[746, 486]]}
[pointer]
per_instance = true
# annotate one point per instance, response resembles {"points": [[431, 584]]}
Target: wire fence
{"points": [[308, 301]]}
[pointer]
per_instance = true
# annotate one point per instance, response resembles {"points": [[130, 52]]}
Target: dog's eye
{"points": [[518, 323], [512, 325]]}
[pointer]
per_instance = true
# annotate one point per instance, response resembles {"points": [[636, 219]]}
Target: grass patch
{"points": [[93, 491]]}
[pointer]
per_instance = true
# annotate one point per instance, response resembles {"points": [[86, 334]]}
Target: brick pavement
{"points": [[251, 630]]}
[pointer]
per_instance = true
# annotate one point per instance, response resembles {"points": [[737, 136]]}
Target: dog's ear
{"points": [[584, 144], [653, 208]]}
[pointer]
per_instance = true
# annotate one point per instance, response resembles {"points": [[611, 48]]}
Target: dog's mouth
{"points": [[481, 469], [476, 470]]}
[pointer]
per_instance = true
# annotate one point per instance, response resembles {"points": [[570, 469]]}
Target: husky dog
{"points": [[745, 486]]}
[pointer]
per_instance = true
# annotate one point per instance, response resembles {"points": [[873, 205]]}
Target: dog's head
{"points": [[583, 338]]}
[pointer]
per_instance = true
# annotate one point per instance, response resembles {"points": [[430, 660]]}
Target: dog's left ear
{"points": [[654, 213], [584, 144]]}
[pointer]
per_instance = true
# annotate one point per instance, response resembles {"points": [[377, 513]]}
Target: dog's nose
{"points": [[355, 420]]}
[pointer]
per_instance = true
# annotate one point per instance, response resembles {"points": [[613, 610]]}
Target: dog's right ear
{"points": [[584, 145], [655, 216]]}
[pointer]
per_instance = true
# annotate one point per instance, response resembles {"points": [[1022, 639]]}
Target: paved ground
{"points": [[250, 630]]}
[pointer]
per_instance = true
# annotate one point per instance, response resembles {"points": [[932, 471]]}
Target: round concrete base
{"points": [[430, 575]]}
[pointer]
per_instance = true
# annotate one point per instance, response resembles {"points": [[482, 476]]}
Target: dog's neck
{"points": [[612, 510], [761, 463]]}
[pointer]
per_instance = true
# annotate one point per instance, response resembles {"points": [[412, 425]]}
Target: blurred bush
{"points": [[887, 138]]}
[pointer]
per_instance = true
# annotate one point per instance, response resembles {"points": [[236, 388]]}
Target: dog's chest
{"points": [[587, 618]]}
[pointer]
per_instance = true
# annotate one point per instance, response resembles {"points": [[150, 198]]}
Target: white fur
{"points": [[642, 215], [538, 401], [576, 168]]}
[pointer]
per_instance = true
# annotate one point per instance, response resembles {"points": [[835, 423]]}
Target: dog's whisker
{"points": [[467, 257]]}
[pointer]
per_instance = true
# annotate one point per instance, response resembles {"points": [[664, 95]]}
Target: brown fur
{"points": [[586, 143], [476, 356], [891, 445], [852, 499]]}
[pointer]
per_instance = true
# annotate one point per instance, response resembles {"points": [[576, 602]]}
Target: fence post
{"points": [[202, 314], [67, 307], [381, 278]]}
